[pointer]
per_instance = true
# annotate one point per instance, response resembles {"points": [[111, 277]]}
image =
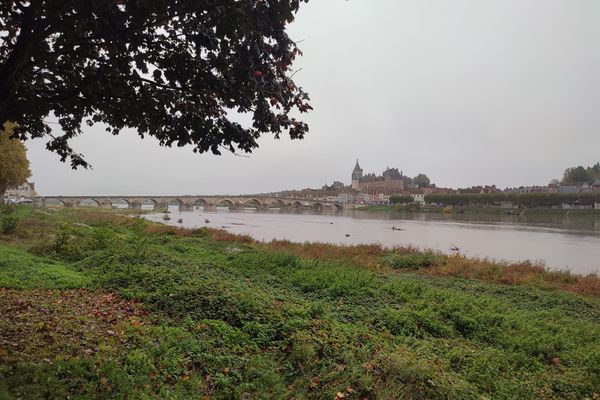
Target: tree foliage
{"points": [[580, 175], [422, 180], [14, 166], [401, 199], [176, 70]]}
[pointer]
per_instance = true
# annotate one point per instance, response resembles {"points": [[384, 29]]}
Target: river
{"points": [[558, 243]]}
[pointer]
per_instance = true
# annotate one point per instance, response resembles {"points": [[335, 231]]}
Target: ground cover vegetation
{"points": [[95, 304]]}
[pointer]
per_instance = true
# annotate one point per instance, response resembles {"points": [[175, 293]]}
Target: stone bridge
{"points": [[187, 203]]}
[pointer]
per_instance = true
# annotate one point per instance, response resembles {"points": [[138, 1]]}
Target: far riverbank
{"points": [[540, 212], [582, 221]]}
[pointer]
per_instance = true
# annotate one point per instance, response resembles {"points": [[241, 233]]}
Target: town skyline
{"points": [[349, 183]]}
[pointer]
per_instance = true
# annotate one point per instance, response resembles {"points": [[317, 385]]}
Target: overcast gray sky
{"points": [[503, 92]]}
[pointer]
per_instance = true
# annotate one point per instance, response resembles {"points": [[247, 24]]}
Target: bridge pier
{"points": [[104, 204], [186, 207], [161, 207], [135, 205]]}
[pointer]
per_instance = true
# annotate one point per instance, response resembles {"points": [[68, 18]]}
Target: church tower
{"points": [[357, 173]]}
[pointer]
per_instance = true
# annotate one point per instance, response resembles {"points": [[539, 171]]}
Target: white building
{"points": [[21, 193], [345, 198], [419, 198]]}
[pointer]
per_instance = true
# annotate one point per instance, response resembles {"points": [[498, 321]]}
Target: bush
{"points": [[8, 224], [414, 207], [66, 244], [7, 209], [101, 238], [201, 232], [412, 260], [139, 245]]}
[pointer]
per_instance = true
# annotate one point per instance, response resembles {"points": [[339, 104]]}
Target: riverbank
{"points": [[534, 212], [97, 304]]}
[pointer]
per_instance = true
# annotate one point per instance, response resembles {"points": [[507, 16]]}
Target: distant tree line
{"points": [[580, 175], [521, 200], [421, 180], [401, 199]]}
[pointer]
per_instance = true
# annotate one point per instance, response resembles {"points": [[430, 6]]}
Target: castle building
{"points": [[390, 181], [357, 175]]}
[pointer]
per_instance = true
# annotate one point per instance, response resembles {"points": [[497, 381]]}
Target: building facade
{"points": [[390, 181], [26, 191]]}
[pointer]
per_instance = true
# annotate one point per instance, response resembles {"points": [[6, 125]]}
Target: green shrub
{"points": [[7, 209], [412, 261], [62, 238], [140, 239], [64, 244], [101, 238], [202, 232], [9, 224]]}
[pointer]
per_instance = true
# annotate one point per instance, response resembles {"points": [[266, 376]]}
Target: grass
{"points": [[22, 270], [204, 314], [398, 260]]}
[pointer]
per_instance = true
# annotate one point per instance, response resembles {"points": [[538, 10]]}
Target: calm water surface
{"points": [[560, 243]]}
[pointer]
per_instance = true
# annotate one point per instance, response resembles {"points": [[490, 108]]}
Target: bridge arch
{"points": [[277, 203], [89, 202], [119, 202], [225, 203], [55, 202], [104, 202], [200, 203], [253, 203], [296, 204], [148, 204], [175, 202]]}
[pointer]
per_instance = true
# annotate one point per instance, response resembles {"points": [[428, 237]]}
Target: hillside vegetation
{"points": [[100, 305]]}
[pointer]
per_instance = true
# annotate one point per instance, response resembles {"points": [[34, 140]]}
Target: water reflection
{"points": [[574, 223]]}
